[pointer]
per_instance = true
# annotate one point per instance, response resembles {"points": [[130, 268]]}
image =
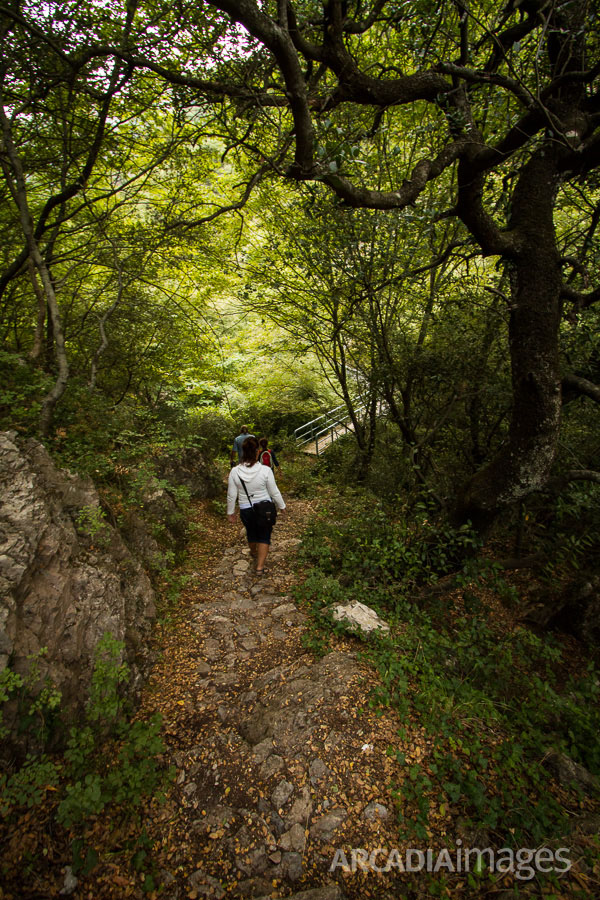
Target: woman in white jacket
{"points": [[260, 484]]}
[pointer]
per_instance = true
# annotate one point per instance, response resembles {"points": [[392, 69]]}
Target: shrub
{"points": [[122, 767], [491, 702]]}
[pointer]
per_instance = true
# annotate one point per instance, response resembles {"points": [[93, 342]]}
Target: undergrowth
{"points": [[110, 760], [490, 701]]}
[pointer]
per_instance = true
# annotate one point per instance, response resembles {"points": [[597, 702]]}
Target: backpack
{"points": [[261, 458]]}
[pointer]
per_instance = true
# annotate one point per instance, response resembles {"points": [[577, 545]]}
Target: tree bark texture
{"points": [[524, 462]]}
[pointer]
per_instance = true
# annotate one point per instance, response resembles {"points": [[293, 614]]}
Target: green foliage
{"points": [[491, 703], [214, 431], [566, 529], [37, 702], [109, 760], [96, 439], [104, 705], [124, 777], [373, 547], [27, 786], [465, 675], [125, 453], [84, 858], [91, 521], [10, 682], [122, 769], [23, 386], [144, 484]]}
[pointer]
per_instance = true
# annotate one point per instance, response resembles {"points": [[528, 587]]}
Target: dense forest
{"points": [[234, 212]]}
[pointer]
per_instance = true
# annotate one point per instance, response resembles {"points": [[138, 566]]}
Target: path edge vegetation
{"points": [[495, 702]]}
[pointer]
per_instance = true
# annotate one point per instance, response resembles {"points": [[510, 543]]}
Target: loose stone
{"points": [[271, 766], [282, 794], [324, 827], [294, 839], [375, 811], [317, 770]]}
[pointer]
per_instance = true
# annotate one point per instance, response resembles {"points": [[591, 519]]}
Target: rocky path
{"points": [[278, 762]]}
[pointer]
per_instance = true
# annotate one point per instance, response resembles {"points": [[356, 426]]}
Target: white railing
{"points": [[325, 429]]}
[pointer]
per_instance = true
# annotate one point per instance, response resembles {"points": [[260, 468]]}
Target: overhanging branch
{"points": [[411, 188], [576, 386], [581, 300], [474, 76], [187, 224]]}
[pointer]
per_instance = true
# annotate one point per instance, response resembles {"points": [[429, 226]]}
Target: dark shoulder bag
{"points": [[264, 512]]}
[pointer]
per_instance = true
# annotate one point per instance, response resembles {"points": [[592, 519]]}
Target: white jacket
{"points": [[260, 483]]}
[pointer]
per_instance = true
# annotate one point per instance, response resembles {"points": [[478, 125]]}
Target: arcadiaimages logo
{"points": [[523, 862]]}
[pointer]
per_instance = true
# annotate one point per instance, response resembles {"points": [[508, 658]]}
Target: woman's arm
{"points": [[274, 492], [232, 493]]}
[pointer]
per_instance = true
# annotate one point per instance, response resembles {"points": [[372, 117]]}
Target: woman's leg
{"points": [[263, 550], [246, 517]]}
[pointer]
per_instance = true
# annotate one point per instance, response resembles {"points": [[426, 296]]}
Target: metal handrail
{"points": [[316, 433], [300, 433], [339, 421]]}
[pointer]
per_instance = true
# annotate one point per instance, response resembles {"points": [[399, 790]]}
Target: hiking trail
{"points": [[279, 761]]}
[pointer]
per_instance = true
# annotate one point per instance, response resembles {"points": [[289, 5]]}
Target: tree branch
{"points": [[583, 158], [219, 89], [279, 42], [17, 183], [423, 172], [40, 35], [561, 481], [351, 26], [514, 33], [478, 77], [581, 301], [575, 384], [470, 208], [306, 48], [238, 204]]}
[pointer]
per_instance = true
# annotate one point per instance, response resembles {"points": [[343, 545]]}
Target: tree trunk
{"points": [[105, 317], [38, 340], [58, 388], [18, 188], [524, 462]]}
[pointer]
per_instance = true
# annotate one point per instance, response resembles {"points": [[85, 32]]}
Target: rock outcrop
{"points": [[191, 470], [66, 577], [154, 526]]}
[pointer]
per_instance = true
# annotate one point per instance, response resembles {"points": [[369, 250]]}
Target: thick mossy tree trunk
{"points": [[524, 462]]}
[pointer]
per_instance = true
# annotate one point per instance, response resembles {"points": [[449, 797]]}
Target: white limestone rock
{"points": [[360, 616]]}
